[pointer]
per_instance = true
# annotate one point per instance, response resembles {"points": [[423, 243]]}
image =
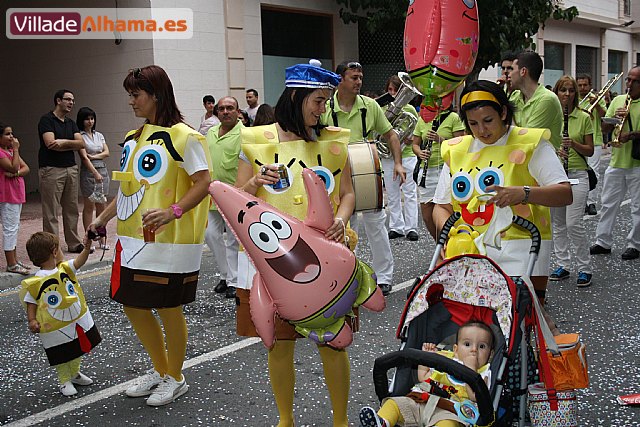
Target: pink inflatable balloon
{"points": [[440, 49], [311, 281]]}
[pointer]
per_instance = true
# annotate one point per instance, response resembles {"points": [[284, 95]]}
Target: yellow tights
{"points": [[68, 370], [166, 359], [282, 376], [391, 414]]}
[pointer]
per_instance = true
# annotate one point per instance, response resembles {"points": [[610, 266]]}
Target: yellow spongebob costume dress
{"points": [[154, 174], [67, 330], [503, 165]]}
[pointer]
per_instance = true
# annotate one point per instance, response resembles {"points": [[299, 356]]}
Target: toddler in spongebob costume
{"points": [[296, 141], [500, 170], [57, 310], [164, 175]]}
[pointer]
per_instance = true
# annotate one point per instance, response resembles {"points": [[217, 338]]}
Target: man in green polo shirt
{"points": [[224, 145], [536, 107], [622, 174], [584, 87], [348, 109]]}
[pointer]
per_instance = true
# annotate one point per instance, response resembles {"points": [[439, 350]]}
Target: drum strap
{"points": [[363, 116]]}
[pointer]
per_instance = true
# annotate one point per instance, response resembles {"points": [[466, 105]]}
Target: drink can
{"points": [[283, 182]]}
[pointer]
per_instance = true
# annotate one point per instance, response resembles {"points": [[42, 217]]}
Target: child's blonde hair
{"points": [[40, 247]]}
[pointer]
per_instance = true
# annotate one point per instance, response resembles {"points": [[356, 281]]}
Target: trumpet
{"points": [[403, 123], [615, 135], [589, 102]]}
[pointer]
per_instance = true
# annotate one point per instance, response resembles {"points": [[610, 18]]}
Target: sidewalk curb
{"points": [[12, 280]]}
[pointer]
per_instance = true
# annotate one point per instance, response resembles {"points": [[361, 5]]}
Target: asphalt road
{"points": [[228, 374]]}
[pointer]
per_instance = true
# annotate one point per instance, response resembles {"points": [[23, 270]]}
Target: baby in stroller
{"points": [[473, 348]]}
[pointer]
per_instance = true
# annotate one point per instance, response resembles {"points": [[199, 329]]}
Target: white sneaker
{"points": [[144, 385], [81, 379], [168, 391], [68, 389]]}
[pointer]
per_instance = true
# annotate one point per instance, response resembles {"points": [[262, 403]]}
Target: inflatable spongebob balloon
{"points": [[67, 330], [440, 49], [303, 277]]}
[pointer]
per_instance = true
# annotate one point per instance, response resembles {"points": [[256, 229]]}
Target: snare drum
{"points": [[366, 176]]}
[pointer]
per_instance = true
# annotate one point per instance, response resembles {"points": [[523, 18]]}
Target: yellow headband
{"points": [[478, 95]]}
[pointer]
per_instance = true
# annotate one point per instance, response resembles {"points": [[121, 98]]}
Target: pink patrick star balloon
{"points": [[440, 49], [305, 278]]}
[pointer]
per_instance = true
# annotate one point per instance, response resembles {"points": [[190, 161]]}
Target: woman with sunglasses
{"points": [[162, 208]]}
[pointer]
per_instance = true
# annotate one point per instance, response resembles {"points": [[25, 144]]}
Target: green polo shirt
{"points": [[621, 157], [596, 120], [225, 152], [450, 125], [543, 110], [352, 120], [579, 126]]}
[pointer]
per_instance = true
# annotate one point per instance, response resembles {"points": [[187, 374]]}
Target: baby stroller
{"points": [[460, 289]]}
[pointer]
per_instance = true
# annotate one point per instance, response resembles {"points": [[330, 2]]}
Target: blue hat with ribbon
{"points": [[305, 75]]}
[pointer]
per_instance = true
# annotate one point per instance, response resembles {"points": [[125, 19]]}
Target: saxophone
{"points": [[615, 135]]}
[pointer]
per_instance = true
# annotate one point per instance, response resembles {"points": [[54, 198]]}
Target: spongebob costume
{"points": [[152, 175], [67, 330], [503, 165], [155, 172]]}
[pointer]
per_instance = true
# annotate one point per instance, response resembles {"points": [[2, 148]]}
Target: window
{"points": [[553, 62], [586, 61], [627, 7]]}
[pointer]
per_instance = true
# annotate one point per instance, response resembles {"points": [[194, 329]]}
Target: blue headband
{"points": [[305, 75]]}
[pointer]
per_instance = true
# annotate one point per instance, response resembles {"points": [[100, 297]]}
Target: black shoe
{"points": [[221, 286], [591, 209], [630, 253], [599, 250], [231, 292], [79, 249], [395, 235], [385, 288], [413, 236]]}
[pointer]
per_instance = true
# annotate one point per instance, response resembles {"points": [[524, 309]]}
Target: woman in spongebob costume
{"points": [[296, 141], [500, 166], [161, 207]]}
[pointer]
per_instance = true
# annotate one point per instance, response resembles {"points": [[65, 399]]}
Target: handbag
{"points": [[635, 148], [540, 411], [593, 178], [98, 195]]}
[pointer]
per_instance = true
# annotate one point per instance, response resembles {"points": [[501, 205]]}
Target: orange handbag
{"points": [[569, 367]]}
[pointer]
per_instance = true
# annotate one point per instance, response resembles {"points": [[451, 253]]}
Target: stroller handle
{"points": [[413, 357]]}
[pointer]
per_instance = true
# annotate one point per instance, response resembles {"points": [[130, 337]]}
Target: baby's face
{"points": [[474, 342]]}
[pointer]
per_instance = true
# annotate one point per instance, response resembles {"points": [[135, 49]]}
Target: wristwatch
{"points": [[177, 210], [527, 190]]}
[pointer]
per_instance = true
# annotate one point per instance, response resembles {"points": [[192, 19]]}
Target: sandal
{"points": [[18, 269], [24, 265]]}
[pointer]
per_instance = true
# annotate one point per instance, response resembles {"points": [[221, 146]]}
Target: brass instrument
{"points": [[403, 122], [615, 135], [589, 102], [565, 134]]}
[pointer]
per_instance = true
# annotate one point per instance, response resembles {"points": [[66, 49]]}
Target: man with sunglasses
{"points": [[363, 116], [59, 138]]}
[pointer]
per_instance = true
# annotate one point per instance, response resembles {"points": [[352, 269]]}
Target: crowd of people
{"points": [[508, 145]]}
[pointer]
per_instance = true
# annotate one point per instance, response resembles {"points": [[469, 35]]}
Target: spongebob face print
{"points": [[469, 188], [59, 302]]}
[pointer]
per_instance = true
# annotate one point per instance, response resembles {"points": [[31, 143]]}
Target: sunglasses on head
{"points": [[352, 65], [137, 72]]}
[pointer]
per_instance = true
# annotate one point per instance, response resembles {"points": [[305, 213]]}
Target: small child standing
{"points": [[12, 196], [56, 308], [473, 348]]}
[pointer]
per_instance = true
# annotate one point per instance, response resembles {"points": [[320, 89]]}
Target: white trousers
{"points": [[375, 227], [594, 162], [616, 183], [568, 227], [401, 220], [10, 217], [224, 247]]}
